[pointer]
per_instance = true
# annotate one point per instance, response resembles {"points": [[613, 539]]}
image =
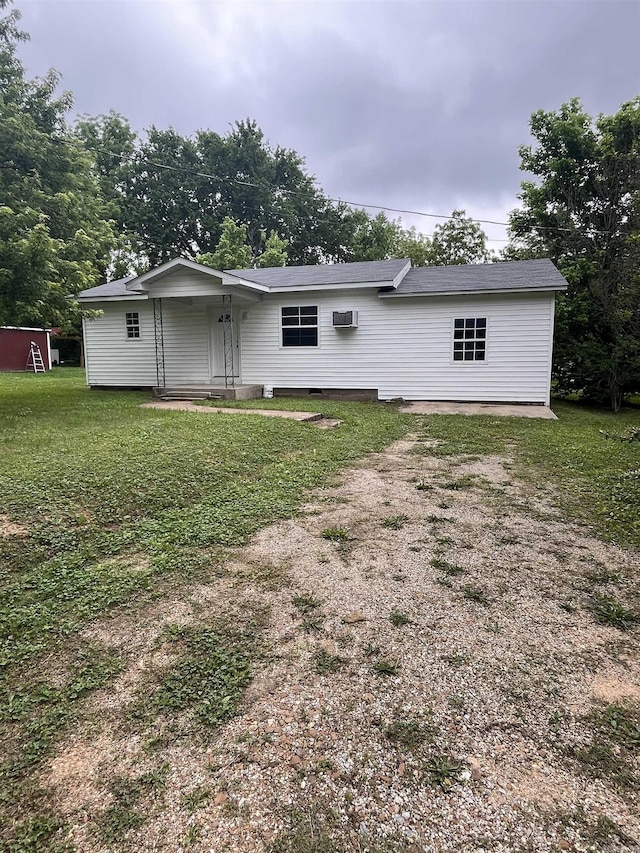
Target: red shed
{"points": [[15, 343]]}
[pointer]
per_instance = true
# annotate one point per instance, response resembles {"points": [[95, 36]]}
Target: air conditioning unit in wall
{"points": [[345, 319]]}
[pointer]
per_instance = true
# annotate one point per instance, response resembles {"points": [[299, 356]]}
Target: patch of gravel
{"points": [[498, 686]]}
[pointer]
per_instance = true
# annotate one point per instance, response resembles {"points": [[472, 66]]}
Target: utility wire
{"points": [[355, 204]]}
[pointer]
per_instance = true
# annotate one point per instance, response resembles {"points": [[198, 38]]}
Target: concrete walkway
{"points": [[187, 406], [494, 409]]}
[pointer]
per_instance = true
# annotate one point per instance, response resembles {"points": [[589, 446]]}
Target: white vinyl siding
{"points": [[403, 347], [114, 359], [186, 343]]}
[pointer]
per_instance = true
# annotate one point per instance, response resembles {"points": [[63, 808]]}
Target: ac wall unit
{"points": [[345, 319]]}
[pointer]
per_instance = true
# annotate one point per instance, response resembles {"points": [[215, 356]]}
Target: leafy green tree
{"points": [[275, 252], [54, 236], [415, 246], [112, 144], [181, 189], [162, 206], [459, 240], [232, 252], [369, 238], [583, 211]]}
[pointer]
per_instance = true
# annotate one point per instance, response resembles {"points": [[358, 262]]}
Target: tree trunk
{"points": [[616, 397]]}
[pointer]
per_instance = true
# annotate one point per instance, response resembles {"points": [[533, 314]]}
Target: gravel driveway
{"points": [[432, 681]]}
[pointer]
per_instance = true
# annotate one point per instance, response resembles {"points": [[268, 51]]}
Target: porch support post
{"points": [[158, 333], [227, 336]]}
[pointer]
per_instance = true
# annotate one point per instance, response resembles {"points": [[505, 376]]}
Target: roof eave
{"points": [[132, 297], [484, 290], [348, 285]]}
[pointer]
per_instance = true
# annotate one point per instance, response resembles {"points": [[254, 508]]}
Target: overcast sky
{"points": [[416, 105]]}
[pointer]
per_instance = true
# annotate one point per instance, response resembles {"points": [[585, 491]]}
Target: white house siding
{"points": [[186, 343], [185, 283], [403, 346], [113, 359]]}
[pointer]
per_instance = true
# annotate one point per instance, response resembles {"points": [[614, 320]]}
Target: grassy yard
{"points": [[107, 506]]}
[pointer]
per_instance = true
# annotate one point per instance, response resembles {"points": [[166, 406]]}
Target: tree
{"points": [[275, 252], [54, 236], [113, 146], [162, 205], [366, 238], [179, 190], [415, 246], [459, 240], [232, 252], [584, 213]]}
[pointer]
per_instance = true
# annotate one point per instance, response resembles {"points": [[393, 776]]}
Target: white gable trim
{"points": [[396, 281], [148, 278]]}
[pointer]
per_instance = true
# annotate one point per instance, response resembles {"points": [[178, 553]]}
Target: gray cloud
{"points": [[419, 105]]}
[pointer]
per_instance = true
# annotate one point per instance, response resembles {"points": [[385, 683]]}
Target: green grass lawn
{"points": [[120, 503]]}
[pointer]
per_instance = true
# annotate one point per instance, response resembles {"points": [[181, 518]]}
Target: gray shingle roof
{"points": [[465, 278], [321, 274], [111, 288]]}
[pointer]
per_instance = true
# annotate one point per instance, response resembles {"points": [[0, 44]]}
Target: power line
{"points": [[254, 185], [355, 204]]}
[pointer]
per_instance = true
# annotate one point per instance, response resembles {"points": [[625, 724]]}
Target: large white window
{"points": [[470, 339], [132, 320], [300, 326]]}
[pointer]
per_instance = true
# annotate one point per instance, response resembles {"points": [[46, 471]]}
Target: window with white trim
{"points": [[470, 339], [132, 321], [300, 326]]}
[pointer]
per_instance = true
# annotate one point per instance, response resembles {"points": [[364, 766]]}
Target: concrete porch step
{"points": [[186, 395], [208, 392]]}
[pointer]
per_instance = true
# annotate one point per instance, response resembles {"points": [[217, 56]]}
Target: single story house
{"points": [[375, 329], [15, 346]]}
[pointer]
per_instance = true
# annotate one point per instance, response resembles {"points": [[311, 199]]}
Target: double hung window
{"points": [[300, 326], [132, 323]]}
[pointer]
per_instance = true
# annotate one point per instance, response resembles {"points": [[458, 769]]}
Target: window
{"points": [[470, 339], [133, 324], [300, 326]]}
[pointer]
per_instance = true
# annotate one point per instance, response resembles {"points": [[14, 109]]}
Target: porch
{"points": [[206, 391]]}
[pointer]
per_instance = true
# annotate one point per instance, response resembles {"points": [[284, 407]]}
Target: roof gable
{"points": [[149, 278]]}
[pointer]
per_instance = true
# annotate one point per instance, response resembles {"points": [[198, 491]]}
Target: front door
{"points": [[216, 329]]}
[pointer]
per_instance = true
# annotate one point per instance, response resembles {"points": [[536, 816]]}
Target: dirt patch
{"points": [[613, 687], [439, 718], [77, 769], [10, 528]]}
